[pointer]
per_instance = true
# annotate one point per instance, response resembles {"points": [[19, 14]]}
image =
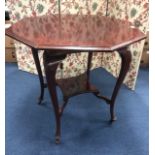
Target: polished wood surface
{"points": [[60, 35], [75, 32]]}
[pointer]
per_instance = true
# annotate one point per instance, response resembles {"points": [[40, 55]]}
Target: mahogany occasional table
{"points": [[59, 35]]}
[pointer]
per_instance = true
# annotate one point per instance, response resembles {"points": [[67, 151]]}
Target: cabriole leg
{"points": [[51, 63], [125, 65], [41, 79]]}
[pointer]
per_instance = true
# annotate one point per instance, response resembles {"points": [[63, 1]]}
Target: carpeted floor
{"points": [[85, 127]]}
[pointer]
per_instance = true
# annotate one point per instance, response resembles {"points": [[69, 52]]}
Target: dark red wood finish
{"points": [[72, 32], [68, 34]]}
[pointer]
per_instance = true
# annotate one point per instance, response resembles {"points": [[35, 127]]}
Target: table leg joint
{"points": [[98, 95]]}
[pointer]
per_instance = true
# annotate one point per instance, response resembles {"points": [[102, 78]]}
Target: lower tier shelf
{"points": [[76, 85]]}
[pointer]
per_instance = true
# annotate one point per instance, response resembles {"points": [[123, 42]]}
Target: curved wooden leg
{"points": [[126, 60], [50, 76], [41, 79], [50, 64]]}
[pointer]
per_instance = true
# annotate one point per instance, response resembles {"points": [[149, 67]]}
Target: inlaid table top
{"points": [[75, 32]]}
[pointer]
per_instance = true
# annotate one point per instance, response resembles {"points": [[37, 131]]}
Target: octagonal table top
{"points": [[75, 32]]}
